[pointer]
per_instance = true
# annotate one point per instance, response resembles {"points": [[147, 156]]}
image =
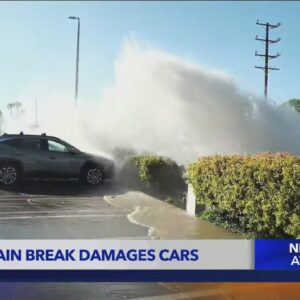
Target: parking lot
{"points": [[68, 210], [63, 217]]}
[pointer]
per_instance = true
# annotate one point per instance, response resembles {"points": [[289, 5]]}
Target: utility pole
{"points": [[77, 56], [267, 56]]}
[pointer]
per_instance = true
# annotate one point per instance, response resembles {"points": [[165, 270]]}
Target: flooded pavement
{"points": [[111, 291], [166, 221], [80, 291], [71, 210]]}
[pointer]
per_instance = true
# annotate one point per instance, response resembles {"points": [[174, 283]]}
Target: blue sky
{"points": [[37, 53]]}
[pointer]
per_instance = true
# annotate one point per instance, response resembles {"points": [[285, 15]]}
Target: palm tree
{"points": [[17, 105]]}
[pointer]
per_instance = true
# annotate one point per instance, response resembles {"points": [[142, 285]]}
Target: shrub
{"points": [[154, 174], [258, 193]]}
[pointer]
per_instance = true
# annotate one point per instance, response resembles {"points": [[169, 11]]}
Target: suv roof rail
{"points": [[43, 134]]}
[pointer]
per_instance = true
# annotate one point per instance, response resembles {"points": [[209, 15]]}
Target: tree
{"points": [[18, 105], [10, 107], [295, 103], [15, 108]]}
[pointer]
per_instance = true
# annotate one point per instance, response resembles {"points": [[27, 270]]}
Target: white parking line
{"points": [[10, 204], [67, 199], [184, 296], [53, 211], [63, 201], [58, 217], [14, 196], [125, 238], [75, 198]]}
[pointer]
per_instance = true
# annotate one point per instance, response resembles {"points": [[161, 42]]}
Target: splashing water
{"points": [[166, 105]]}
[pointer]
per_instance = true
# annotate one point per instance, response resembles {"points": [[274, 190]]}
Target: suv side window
{"points": [[31, 144], [11, 142], [57, 147]]}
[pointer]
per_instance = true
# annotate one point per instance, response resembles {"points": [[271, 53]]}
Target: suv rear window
{"points": [[11, 142]]}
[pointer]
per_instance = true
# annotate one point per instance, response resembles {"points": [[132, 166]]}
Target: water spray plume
{"points": [[165, 105]]}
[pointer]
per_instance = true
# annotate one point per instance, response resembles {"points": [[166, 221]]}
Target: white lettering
{"points": [[294, 248], [295, 261]]}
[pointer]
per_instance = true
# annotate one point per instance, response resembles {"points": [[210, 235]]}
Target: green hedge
{"points": [[154, 174], [259, 194]]}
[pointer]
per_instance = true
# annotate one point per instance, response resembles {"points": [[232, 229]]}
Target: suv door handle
{"points": [[52, 157]]}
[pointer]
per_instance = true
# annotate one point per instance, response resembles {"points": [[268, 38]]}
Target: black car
{"points": [[42, 156]]}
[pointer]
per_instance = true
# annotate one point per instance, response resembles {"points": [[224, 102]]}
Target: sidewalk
{"points": [[166, 221]]}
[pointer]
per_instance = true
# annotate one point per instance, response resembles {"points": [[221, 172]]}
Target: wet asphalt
{"points": [[68, 210], [49, 217]]}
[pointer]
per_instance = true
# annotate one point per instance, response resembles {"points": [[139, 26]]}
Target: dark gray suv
{"points": [[42, 156]]}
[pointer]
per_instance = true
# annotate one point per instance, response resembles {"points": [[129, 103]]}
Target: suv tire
{"points": [[91, 175], [9, 174]]}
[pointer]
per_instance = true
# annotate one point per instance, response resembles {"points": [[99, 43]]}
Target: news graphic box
{"points": [[126, 254], [277, 254]]}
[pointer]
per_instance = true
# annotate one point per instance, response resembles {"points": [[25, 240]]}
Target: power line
{"points": [[266, 68]]}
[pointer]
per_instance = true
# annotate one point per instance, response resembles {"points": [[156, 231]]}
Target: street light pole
{"points": [[36, 112], [77, 57]]}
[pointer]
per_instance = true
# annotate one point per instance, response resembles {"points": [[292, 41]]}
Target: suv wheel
{"points": [[8, 174], [92, 175]]}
